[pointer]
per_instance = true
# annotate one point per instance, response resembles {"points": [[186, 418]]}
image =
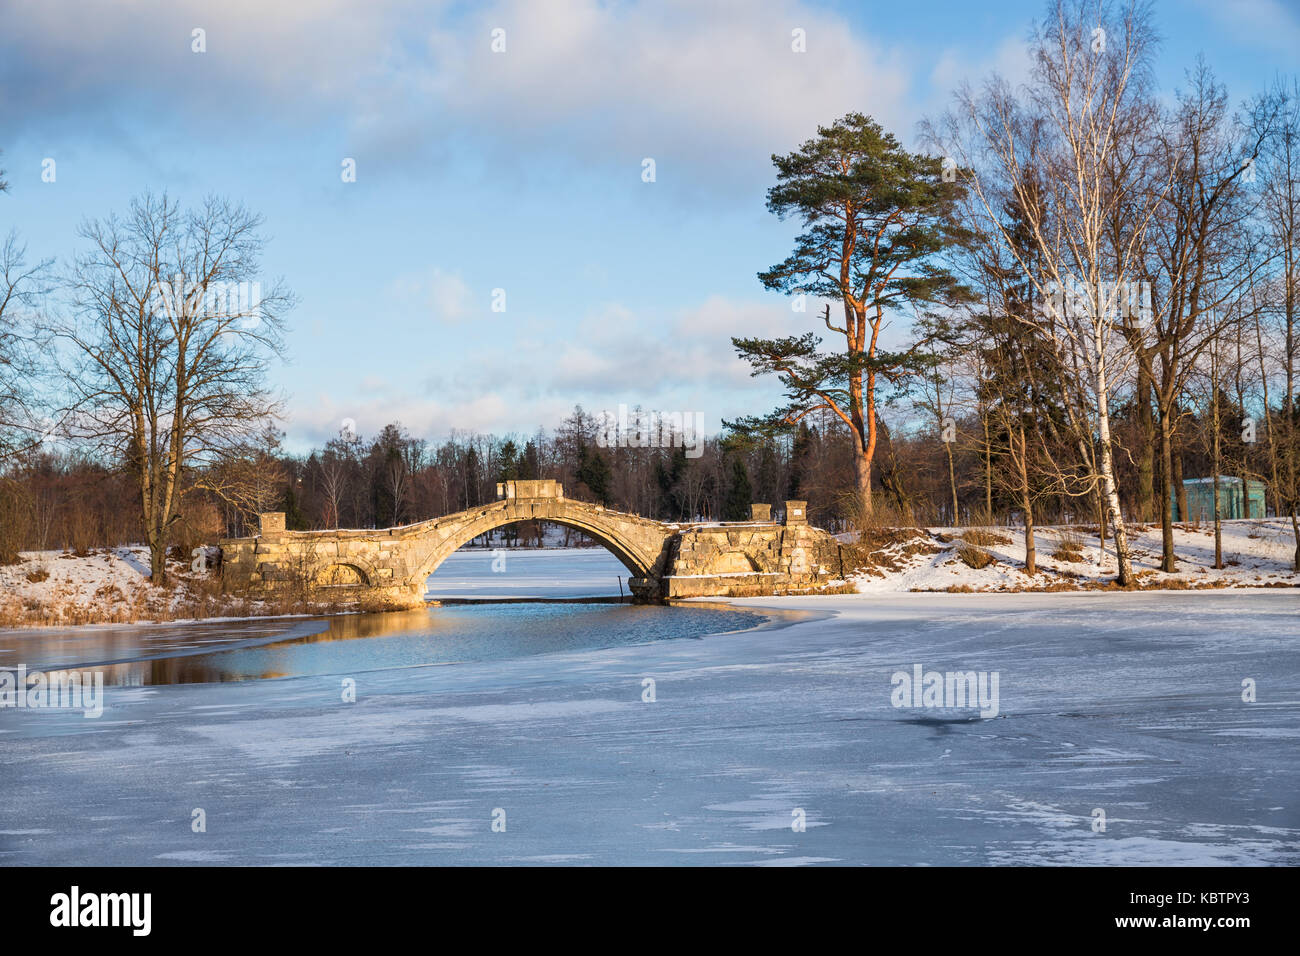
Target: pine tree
{"points": [[740, 494], [877, 220], [594, 472]]}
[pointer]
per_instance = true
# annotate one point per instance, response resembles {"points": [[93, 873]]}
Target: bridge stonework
{"points": [[389, 567]]}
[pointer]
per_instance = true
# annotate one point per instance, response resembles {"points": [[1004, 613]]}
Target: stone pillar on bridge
{"points": [[796, 512], [520, 488], [272, 522], [759, 512]]}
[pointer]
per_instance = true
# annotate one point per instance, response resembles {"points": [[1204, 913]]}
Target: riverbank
{"points": [[1257, 553], [112, 585]]}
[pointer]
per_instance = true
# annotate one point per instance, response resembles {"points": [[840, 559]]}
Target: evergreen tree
{"points": [[672, 500], [801, 452], [594, 472], [877, 221], [508, 463], [739, 493], [529, 463], [768, 478], [294, 519]]}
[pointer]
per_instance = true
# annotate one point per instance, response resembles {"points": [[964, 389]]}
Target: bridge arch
{"points": [[345, 572], [640, 557]]}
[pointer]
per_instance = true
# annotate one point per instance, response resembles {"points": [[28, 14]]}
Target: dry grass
{"points": [[973, 556], [984, 537], [841, 587], [1069, 545], [879, 531], [981, 532]]}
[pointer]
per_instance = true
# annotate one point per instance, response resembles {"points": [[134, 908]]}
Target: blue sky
{"points": [[518, 171]]}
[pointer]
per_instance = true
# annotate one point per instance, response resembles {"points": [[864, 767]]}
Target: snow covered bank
{"points": [[1256, 553], [112, 586]]}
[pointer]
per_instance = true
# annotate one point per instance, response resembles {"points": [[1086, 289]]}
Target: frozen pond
{"points": [[549, 573], [1127, 704]]}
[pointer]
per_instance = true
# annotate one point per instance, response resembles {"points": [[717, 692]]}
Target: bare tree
{"points": [[171, 334], [250, 475], [1201, 260], [1277, 113], [335, 467], [21, 288]]}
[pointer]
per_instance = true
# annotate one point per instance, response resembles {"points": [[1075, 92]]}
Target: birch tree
{"points": [[1056, 153]]}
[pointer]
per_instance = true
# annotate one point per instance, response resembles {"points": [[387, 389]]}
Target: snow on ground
{"points": [[100, 577], [103, 585], [1257, 553], [61, 575], [1124, 702]]}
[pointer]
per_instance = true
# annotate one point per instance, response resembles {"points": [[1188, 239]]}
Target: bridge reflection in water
{"points": [[350, 645]]}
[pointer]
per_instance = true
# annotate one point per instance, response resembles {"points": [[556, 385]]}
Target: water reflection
{"points": [[237, 651]]}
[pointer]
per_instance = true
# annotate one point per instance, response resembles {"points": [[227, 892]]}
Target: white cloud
{"points": [[444, 295], [68, 58], [670, 79], [714, 87], [614, 349], [448, 296]]}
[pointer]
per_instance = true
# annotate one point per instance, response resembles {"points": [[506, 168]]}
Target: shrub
{"points": [[1069, 545], [981, 533], [974, 557]]}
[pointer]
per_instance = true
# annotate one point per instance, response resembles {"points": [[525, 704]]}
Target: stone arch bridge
{"points": [[389, 567]]}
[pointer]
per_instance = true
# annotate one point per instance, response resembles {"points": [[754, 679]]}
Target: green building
{"points": [[1233, 503]]}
